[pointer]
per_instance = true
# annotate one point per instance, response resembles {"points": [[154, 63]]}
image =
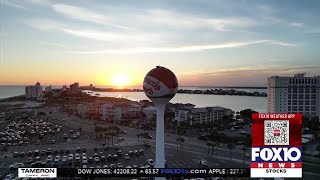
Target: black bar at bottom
{"points": [[153, 172]]}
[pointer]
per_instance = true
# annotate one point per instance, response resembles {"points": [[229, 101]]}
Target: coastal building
{"points": [[33, 92], [297, 94], [145, 103], [203, 115], [48, 89], [110, 112], [150, 112], [74, 88], [116, 112], [84, 108], [177, 106], [64, 87], [131, 110]]}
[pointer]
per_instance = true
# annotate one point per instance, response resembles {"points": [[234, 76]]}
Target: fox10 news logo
{"points": [[276, 145]]}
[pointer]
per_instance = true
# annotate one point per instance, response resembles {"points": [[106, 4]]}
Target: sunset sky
{"points": [[205, 42]]}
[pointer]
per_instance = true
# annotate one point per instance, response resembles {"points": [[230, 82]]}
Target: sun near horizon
{"points": [[120, 80]]}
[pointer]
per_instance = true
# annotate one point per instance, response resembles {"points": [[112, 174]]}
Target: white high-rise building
{"points": [[297, 94], [33, 92]]}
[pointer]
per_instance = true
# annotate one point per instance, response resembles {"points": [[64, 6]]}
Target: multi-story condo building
{"points": [[297, 94], [118, 111], [33, 92], [201, 115]]}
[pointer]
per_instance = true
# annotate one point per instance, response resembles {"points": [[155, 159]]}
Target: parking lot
{"points": [[175, 158]]}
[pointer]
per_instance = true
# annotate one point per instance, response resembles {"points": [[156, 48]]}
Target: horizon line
{"points": [[97, 86]]}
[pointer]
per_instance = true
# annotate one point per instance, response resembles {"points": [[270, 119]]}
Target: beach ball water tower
{"points": [[160, 86]]}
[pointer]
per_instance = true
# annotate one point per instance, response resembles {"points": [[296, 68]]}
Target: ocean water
{"points": [[9, 91], [235, 103]]}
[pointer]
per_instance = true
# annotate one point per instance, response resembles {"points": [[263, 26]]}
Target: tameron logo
{"points": [[37, 172]]}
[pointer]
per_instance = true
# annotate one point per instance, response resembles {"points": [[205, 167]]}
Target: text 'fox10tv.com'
{"points": [[276, 145]]}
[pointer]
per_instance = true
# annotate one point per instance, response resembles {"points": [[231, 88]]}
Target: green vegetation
{"points": [[247, 113]]}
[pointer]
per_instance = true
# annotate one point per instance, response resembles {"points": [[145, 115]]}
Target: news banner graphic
{"points": [[276, 145], [132, 172]]}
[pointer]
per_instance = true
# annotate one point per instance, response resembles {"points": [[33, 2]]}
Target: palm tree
{"points": [[304, 149], [230, 147], [4, 149], [318, 149], [117, 132], [50, 114], [100, 136], [148, 137], [217, 145], [107, 136], [244, 149], [181, 142], [139, 135]]}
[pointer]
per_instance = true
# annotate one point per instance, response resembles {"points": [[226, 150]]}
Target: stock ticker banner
{"points": [[132, 172], [276, 145]]}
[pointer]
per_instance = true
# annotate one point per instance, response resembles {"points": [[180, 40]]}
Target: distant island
{"points": [[220, 91], [231, 92], [229, 87]]}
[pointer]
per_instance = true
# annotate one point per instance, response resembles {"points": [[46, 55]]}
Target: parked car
{"points": [[130, 153], [90, 159], [119, 153], [64, 160], [103, 158], [16, 165], [109, 157], [22, 154], [70, 158], [141, 151], [147, 144], [203, 162], [127, 157], [29, 161], [119, 165], [57, 160], [84, 160], [49, 158], [36, 153], [116, 146], [150, 162]]}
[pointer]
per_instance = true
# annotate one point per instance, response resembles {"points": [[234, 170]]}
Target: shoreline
{"points": [[13, 98], [230, 92]]}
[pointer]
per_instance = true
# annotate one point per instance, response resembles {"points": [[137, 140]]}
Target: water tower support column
{"points": [[160, 159]]}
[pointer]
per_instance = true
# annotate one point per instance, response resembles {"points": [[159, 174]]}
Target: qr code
{"points": [[276, 132]]}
